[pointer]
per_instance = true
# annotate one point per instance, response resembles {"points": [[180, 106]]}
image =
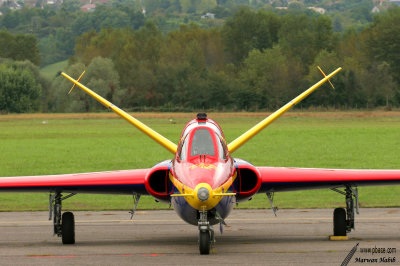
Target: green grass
{"points": [[50, 71], [32, 145]]}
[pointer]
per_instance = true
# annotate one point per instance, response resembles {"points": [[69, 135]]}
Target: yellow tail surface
{"points": [[166, 143], [234, 145]]}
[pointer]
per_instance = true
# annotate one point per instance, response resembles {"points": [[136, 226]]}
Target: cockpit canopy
{"points": [[202, 140], [202, 143]]}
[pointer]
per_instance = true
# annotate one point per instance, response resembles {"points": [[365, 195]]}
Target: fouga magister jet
{"points": [[202, 181]]}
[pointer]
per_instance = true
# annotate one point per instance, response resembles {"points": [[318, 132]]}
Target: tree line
{"points": [[56, 29], [22, 88], [57, 26], [19, 47], [258, 60]]}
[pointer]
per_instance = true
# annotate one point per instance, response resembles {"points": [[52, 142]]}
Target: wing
{"points": [[290, 179], [111, 182]]}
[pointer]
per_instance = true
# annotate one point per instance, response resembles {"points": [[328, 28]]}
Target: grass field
{"points": [[70, 143], [51, 71]]}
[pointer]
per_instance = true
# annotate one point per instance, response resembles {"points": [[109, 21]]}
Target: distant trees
{"points": [[57, 29], [21, 87], [383, 40], [258, 60], [19, 47], [247, 30], [265, 76], [255, 60], [185, 6], [181, 70], [302, 37]]}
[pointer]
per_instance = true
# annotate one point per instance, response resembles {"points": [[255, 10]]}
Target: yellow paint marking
{"points": [[203, 165], [339, 238], [182, 195]]}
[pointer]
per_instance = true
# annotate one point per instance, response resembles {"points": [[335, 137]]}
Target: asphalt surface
{"points": [[252, 237]]}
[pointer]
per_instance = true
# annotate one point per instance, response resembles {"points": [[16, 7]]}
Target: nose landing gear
{"points": [[206, 234]]}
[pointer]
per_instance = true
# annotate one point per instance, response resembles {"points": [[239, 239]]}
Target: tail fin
{"points": [[166, 143], [234, 145]]}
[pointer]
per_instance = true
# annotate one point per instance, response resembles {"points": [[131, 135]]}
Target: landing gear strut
{"points": [[343, 220], [64, 225], [206, 234]]}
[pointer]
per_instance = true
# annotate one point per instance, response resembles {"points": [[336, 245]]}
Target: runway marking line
{"points": [[75, 256], [153, 255], [338, 238], [228, 220]]}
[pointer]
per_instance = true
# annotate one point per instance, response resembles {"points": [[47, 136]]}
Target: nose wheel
{"points": [[204, 242], [206, 234]]}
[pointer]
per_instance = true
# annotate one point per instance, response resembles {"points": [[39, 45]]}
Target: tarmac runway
{"points": [[252, 237]]}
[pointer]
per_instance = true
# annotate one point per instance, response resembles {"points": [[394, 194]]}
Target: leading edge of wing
{"points": [[291, 179], [110, 182]]}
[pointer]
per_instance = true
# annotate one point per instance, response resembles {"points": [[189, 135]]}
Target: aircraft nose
{"points": [[204, 197], [203, 194]]}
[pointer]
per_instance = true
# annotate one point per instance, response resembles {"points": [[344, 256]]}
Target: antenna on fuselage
{"points": [[201, 116]]}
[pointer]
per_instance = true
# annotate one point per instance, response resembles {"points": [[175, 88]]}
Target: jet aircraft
{"points": [[202, 181]]}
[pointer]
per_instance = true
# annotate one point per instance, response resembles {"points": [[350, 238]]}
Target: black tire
{"points": [[204, 242], [339, 222], [68, 228]]}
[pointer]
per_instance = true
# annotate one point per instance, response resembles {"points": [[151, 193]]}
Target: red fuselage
{"points": [[202, 162]]}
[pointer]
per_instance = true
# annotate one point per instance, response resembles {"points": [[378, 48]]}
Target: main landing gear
{"points": [[206, 234], [64, 225], [343, 220]]}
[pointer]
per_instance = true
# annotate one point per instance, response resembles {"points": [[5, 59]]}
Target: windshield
{"points": [[183, 149], [221, 147], [202, 143]]}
